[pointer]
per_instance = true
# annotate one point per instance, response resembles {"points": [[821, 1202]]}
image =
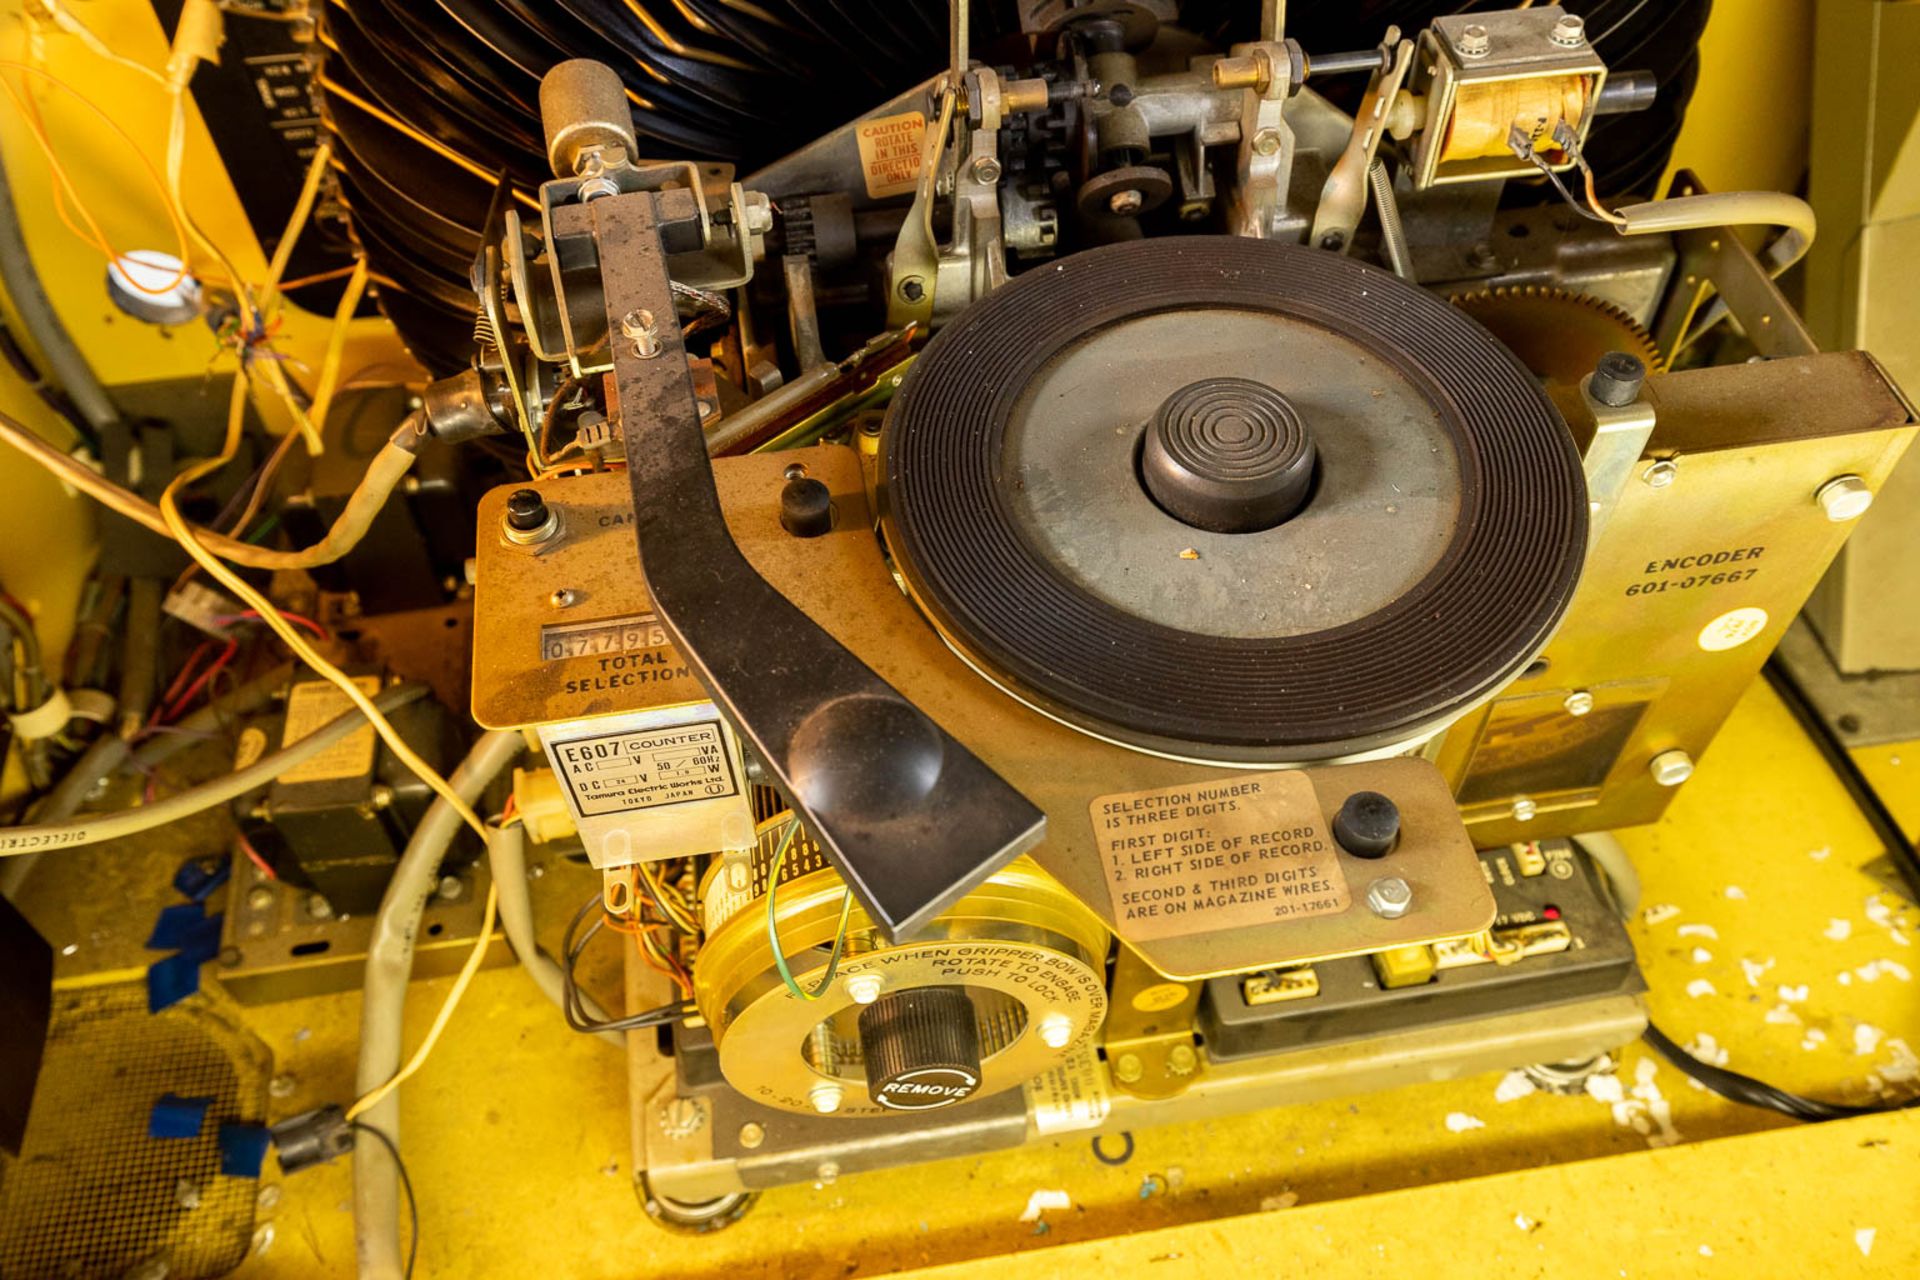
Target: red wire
{"points": [[213, 669], [318, 630], [167, 699], [253, 855]]}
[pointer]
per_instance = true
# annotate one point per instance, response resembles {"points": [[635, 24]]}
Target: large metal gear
{"points": [[1557, 333]]}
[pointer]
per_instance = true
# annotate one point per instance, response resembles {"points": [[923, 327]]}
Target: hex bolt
{"points": [[1844, 498], [825, 1097], [1266, 142], [1570, 32], [1578, 703], [260, 898], [1671, 768], [1473, 41], [1055, 1030], [682, 1117], [451, 888], [1129, 1068], [752, 1135], [986, 170], [1524, 809], [1126, 203], [1390, 897], [1661, 473], [318, 907], [639, 329], [1617, 379], [865, 988]]}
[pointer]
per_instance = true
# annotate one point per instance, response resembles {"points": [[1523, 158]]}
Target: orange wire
{"points": [[99, 239]]}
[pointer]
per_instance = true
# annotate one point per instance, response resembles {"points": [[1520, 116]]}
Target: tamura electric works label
{"points": [[1222, 854], [646, 768]]}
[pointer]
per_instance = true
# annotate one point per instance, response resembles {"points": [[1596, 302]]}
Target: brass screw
{"points": [[1129, 1068], [752, 1135]]}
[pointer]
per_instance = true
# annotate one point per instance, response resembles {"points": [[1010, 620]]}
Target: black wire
{"points": [[575, 1009], [406, 1184], [1758, 1093]]}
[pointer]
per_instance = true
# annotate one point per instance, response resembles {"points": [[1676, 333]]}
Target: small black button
{"points": [[526, 510], [806, 508], [1367, 825]]}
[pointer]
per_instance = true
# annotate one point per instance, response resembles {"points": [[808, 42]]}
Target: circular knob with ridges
{"points": [[1228, 455], [922, 1048]]}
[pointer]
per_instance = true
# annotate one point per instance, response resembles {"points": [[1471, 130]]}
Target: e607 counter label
{"points": [[646, 768]]}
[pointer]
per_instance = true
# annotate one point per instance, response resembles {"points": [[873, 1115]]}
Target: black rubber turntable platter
{"points": [[1232, 500]]}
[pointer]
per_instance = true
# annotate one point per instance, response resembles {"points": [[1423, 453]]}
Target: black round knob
{"points": [[1617, 379], [1367, 825], [806, 508], [1228, 455], [526, 510], [922, 1048]]}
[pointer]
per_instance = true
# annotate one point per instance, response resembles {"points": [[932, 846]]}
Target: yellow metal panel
{"points": [[1746, 128]]}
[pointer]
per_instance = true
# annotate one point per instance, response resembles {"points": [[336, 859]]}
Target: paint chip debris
{"points": [[1190, 554], [1844, 979], [1513, 1086], [1659, 913], [1792, 995], [1755, 970], [1461, 1122], [1698, 931], [1707, 1049], [1044, 1200], [1782, 1016], [1699, 987], [1734, 893], [1706, 1251], [1821, 854], [1863, 1240], [1814, 1038], [1702, 956], [1867, 1038], [1879, 912], [1285, 1200], [1605, 1088], [1525, 1223], [1839, 930]]}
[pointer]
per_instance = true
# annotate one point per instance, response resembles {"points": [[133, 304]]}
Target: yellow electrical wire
{"points": [[323, 390]]}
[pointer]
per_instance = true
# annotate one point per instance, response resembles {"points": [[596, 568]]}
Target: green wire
{"points": [[773, 923]]}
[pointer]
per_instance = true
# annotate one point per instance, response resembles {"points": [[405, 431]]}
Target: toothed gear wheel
{"points": [[1558, 333]]}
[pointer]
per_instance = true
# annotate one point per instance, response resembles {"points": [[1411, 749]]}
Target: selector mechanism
{"points": [[1367, 825], [922, 1048]]}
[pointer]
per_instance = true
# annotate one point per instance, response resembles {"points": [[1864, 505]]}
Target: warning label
{"points": [[314, 704], [1218, 855], [646, 768], [890, 153]]}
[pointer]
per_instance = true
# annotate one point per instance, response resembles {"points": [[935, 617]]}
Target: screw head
{"points": [[865, 988], [682, 1117], [826, 1172], [260, 897], [1662, 473], [1126, 203], [564, 598], [1570, 32], [1524, 809], [1473, 41], [318, 907], [1578, 703], [1129, 1068], [1266, 142], [381, 796], [451, 888], [282, 1086], [1844, 498], [230, 957], [1671, 768], [752, 1135], [1390, 897], [638, 326], [825, 1097], [1055, 1030], [986, 170], [913, 288], [1181, 1060]]}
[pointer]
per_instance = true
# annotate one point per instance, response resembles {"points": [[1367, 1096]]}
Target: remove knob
{"points": [[922, 1048]]}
